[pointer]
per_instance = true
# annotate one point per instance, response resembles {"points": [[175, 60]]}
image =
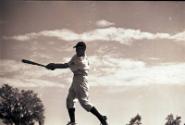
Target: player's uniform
{"points": [[79, 87]]}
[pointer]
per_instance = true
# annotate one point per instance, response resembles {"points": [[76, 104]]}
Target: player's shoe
{"points": [[104, 120], [71, 123]]}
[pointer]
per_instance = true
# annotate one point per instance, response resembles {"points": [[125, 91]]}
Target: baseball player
{"points": [[79, 65]]}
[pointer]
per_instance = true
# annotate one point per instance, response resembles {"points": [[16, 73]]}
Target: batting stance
{"points": [[79, 65]]}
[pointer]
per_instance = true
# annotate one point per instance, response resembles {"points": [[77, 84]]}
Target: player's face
{"points": [[80, 51]]}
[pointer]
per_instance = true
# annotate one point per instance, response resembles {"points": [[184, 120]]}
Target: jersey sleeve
{"points": [[71, 62]]}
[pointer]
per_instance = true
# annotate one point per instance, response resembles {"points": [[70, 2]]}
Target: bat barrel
{"points": [[32, 63]]}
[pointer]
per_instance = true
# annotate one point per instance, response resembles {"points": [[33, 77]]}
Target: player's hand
{"points": [[50, 66]]}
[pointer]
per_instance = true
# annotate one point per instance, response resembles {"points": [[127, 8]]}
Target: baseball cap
{"points": [[81, 43]]}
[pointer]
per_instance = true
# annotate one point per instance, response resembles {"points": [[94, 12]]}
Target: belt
{"points": [[80, 75]]}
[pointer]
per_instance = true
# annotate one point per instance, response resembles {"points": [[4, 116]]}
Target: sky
{"points": [[135, 49]]}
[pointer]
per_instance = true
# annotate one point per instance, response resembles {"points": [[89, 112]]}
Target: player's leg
{"points": [[102, 119], [84, 101], [70, 104]]}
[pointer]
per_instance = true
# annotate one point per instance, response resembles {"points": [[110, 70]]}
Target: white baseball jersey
{"points": [[79, 65], [79, 87]]}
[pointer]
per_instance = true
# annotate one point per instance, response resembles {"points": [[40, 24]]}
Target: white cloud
{"points": [[121, 35], [179, 36], [63, 34], [24, 75], [24, 37], [24, 82], [104, 70], [104, 23], [154, 58], [112, 71]]}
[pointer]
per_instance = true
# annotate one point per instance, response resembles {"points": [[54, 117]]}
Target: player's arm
{"points": [[63, 66], [53, 66]]}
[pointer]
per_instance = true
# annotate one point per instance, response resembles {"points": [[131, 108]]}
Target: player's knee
{"points": [[86, 105], [69, 103]]}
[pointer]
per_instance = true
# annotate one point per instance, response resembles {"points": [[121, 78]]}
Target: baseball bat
{"points": [[32, 63]]}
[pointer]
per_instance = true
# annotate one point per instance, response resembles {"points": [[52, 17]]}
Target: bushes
{"points": [[135, 121], [171, 120]]}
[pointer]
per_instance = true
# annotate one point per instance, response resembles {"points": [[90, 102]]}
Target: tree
{"points": [[20, 107], [135, 121], [173, 121]]}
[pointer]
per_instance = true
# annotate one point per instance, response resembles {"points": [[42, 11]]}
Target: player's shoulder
{"points": [[86, 56], [74, 56]]}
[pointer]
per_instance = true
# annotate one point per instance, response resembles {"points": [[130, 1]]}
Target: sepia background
{"points": [[136, 52]]}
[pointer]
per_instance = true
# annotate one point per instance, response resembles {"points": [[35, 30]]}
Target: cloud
{"points": [[23, 82], [104, 71], [19, 74], [121, 35], [113, 71], [104, 23], [24, 37], [154, 58], [179, 36]]}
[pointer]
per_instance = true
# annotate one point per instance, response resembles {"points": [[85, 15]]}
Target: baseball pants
{"points": [[79, 90]]}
